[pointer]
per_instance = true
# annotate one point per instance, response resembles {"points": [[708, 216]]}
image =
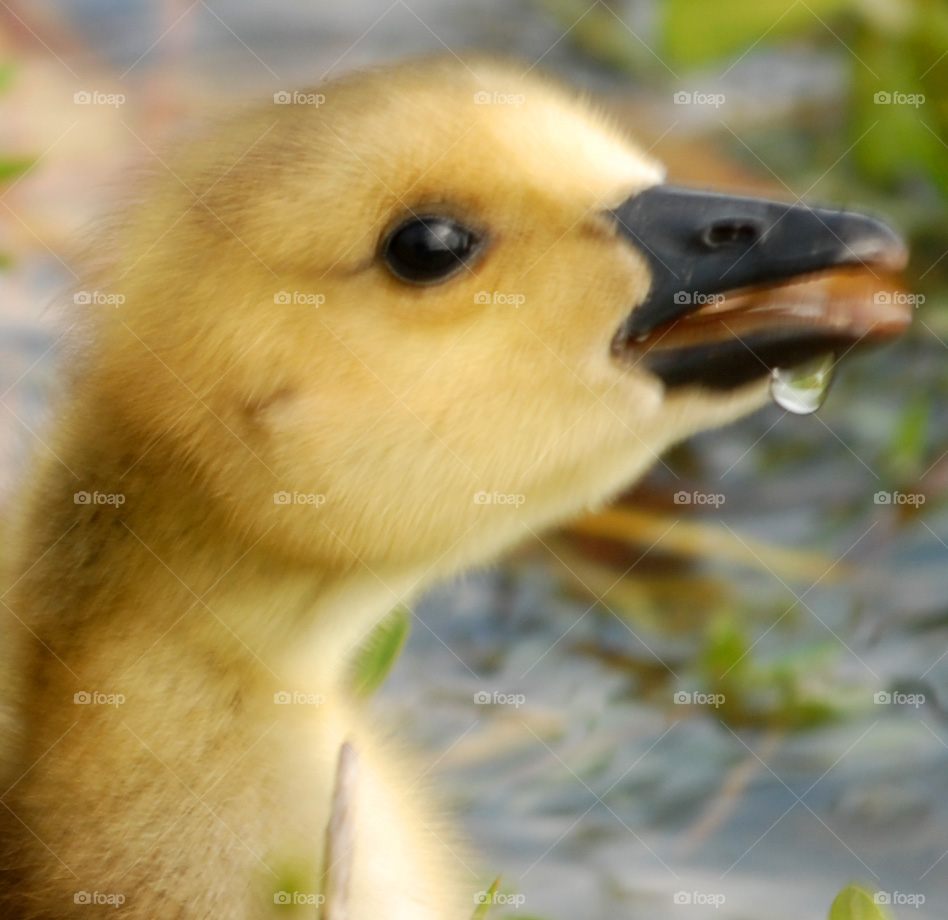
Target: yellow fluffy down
{"points": [[263, 348]]}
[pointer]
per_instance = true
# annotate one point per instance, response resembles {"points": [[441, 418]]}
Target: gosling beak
{"points": [[741, 286]]}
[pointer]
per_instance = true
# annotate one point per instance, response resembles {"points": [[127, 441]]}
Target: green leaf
{"points": [[855, 903], [481, 910], [378, 656], [894, 142], [696, 31], [11, 167], [911, 435], [778, 693], [6, 76]]}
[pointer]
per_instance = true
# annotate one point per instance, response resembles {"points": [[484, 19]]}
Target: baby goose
{"points": [[345, 327]]}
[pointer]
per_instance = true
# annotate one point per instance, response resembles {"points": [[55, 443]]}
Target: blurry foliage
{"points": [[596, 32], [907, 452], [907, 458], [381, 650], [6, 76], [893, 156], [854, 903], [896, 158], [889, 46], [905, 54], [695, 32], [481, 910], [10, 166], [789, 692]]}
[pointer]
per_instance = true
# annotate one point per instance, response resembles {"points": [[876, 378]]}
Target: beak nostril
{"points": [[730, 233]]}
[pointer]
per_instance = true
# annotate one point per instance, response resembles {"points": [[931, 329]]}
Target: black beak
{"points": [[700, 244]]}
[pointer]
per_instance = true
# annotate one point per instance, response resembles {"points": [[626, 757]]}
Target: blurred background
{"points": [[731, 708]]}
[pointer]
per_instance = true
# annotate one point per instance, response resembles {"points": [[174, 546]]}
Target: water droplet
{"points": [[802, 389]]}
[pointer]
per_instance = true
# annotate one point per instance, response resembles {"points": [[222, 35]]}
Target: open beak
{"points": [[743, 286]]}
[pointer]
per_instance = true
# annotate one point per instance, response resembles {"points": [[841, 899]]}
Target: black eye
{"points": [[428, 249]]}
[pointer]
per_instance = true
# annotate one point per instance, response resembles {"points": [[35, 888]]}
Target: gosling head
{"points": [[444, 281]]}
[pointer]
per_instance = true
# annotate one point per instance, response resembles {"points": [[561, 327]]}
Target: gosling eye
{"points": [[429, 249]]}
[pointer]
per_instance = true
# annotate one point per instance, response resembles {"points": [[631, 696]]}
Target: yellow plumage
{"points": [[200, 597]]}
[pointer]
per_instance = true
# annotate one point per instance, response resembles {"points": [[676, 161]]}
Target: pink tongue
{"points": [[855, 304]]}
